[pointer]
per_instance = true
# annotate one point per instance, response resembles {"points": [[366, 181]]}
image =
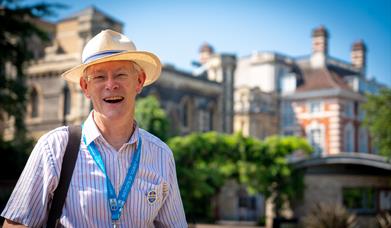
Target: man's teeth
{"points": [[113, 98]]}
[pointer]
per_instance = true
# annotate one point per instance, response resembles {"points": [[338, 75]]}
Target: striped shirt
{"points": [[86, 204]]}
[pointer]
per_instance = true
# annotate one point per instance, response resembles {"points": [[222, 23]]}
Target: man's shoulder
{"points": [[59, 134], [152, 139]]}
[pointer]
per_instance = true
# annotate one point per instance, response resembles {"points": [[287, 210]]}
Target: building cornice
{"points": [[335, 92], [371, 160]]}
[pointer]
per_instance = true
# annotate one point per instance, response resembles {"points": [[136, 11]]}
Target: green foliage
{"points": [[13, 158], [274, 176], [206, 160], [17, 28], [378, 120], [151, 117]]}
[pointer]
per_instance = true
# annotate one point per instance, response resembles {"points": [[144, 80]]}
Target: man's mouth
{"points": [[113, 99]]}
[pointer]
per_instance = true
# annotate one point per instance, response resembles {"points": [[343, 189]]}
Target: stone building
{"points": [[358, 181], [317, 96], [326, 95], [320, 97], [193, 103]]}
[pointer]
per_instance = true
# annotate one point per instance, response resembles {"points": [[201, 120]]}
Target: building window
{"points": [[288, 115], [315, 139], [315, 106], [349, 109], [349, 138], [34, 103], [359, 199], [186, 113], [363, 142], [385, 200], [210, 118]]}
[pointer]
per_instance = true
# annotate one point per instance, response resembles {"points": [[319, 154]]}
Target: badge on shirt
{"points": [[113, 204], [151, 196]]}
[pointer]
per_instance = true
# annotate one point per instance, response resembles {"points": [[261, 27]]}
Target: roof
{"points": [[90, 10], [321, 78], [361, 159]]}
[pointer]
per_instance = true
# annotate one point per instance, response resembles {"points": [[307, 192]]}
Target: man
{"points": [[112, 74]]}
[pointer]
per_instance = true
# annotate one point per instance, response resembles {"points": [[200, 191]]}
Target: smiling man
{"points": [[124, 176]]}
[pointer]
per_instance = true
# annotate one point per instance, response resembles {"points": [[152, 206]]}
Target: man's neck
{"points": [[115, 132]]}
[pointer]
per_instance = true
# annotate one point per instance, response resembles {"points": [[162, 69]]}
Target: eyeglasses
{"points": [[101, 78]]}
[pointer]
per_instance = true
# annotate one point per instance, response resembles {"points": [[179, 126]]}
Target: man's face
{"points": [[112, 87]]}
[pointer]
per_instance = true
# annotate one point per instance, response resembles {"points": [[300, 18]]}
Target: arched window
{"points": [[34, 103], [349, 138], [210, 118], [186, 113]]}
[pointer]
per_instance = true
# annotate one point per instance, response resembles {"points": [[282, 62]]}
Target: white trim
{"points": [[334, 144], [333, 131], [323, 114], [315, 101], [334, 126], [334, 150]]}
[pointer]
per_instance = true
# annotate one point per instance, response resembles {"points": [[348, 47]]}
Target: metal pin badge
{"points": [[151, 196]]}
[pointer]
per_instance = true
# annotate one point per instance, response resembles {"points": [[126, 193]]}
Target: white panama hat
{"points": [[109, 45]]}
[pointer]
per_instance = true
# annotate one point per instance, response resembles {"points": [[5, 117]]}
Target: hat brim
{"points": [[149, 62]]}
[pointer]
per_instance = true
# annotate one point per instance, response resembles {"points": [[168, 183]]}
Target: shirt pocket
{"points": [[146, 199]]}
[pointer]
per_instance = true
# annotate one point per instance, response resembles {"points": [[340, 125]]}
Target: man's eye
{"points": [[98, 78], [122, 76]]}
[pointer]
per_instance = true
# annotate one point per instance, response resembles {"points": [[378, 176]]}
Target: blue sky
{"points": [[175, 29]]}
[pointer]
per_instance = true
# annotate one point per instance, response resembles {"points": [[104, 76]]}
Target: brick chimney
{"points": [[205, 51], [320, 40], [319, 47], [358, 55]]}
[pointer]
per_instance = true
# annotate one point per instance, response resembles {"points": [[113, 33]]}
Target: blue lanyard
{"points": [[116, 204]]}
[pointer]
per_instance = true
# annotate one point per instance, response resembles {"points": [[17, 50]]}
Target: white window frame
{"points": [[317, 126], [310, 106]]}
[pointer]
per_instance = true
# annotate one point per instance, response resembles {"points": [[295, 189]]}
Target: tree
{"points": [[206, 160], [203, 161], [274, 176], [152, 117], [16, 30], [378, 119]]}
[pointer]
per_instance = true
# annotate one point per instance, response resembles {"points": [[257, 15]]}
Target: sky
{"points": [[174, 30]]}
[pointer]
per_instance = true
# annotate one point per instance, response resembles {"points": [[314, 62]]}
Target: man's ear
{"points": [[83, 86], [141, 80]]}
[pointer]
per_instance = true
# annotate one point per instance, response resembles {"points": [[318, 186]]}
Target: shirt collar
{"points": [[91, 131]]}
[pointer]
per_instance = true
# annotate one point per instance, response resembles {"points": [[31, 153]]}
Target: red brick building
{"points": [[322, 99]]}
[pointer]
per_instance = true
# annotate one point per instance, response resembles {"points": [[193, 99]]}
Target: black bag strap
{"points": [[68, 164]]}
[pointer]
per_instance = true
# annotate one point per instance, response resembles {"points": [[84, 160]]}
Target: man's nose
{"points": [[111, 83]]}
